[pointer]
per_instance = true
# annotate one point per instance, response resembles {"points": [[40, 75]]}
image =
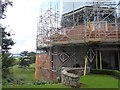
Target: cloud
{"points": [[22, 18]]}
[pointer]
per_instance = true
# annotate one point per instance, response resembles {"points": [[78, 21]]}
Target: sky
{"points": [[22, 19]]}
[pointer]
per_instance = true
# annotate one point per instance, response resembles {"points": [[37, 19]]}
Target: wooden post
{"points": [[85, 65], [96, 61], [100, 60]]}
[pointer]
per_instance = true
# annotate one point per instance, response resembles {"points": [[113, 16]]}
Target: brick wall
{"points": [[43, 68]]}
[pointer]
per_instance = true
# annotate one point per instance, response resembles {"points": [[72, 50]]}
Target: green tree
{"points": [[7, 42], [3, 6], [7, 61], [24, 59], [27, 58], [32, 56]]}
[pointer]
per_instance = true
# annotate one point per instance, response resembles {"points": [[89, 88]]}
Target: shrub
{"points": [[4, 82], [8, 78], [11, 79], [38, 82], [114, 73], [19, 81], [53, 82]]}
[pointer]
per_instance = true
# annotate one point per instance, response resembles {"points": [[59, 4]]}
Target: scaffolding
{"points": [[99, 23], [86, 25], [47, 26]]}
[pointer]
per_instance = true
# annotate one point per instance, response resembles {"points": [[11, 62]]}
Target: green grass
{"points": [[98, 81], [36, 86], [27, 73], [32, 66], [88, 81]]}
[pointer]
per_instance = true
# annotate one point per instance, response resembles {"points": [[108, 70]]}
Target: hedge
{"points": [[114, 73]]}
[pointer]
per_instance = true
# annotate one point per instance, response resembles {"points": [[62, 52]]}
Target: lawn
{"points": [[88, 81], [99, 81], [26, 73], [37, 86]]}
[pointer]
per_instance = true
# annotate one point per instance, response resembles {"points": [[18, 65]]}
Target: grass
{"points": [[98, 81], [27, 73], [88, 81], [37, 86]]}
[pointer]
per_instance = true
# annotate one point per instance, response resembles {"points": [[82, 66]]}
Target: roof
{"points": [[84, 7], [79, 9]]}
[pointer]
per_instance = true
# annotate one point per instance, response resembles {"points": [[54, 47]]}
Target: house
{"points": [[90, 32]]}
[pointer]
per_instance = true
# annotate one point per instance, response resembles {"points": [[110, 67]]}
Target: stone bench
{"points": [[71, 76]]}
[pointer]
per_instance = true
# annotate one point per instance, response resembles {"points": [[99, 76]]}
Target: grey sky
{"points": [[22, 18]]}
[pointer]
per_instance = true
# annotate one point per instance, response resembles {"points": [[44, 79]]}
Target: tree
{"points": [[7, 61], [7, 42], [32, 56], [27, 58], [24, 59], [3, 6]]}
